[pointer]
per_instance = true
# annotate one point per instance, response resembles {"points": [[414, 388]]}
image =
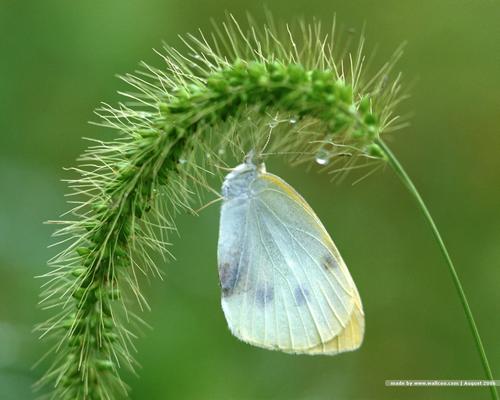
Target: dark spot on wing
{"points": [[228, 276], [264, 295], [301, 295], [328, 262]]}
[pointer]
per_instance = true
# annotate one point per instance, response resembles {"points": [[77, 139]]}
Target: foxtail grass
{"points": [[289, 89]]}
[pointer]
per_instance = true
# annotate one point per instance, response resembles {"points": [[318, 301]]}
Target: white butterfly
{"points": [[284, 284]]}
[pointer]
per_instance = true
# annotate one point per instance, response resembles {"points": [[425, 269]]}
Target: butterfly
{"points": [[284, 284]]}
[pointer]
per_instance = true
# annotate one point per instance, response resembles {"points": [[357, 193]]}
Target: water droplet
{"points": [[322, 157]]}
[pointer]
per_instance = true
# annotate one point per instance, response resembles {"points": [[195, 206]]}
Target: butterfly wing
{"points": [[284, 284]]}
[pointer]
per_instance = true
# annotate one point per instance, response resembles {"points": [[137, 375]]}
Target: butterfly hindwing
{"points": [[284, 284]]}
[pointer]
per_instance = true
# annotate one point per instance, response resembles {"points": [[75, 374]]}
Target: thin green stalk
{"points": [[401, 173]]}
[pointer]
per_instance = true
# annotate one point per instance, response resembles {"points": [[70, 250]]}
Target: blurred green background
{"points": [[58, 63]]}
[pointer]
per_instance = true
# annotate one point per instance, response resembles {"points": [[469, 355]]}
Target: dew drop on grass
{"points": [[322, 157]]}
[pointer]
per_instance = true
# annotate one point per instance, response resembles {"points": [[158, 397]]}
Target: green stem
{"points": [[401, 173]]}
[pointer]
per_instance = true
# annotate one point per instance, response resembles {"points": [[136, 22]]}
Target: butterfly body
{"points": [[284, 285]]}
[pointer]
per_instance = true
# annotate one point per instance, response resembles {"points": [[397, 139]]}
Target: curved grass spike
{"points": [[226, 92]]}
